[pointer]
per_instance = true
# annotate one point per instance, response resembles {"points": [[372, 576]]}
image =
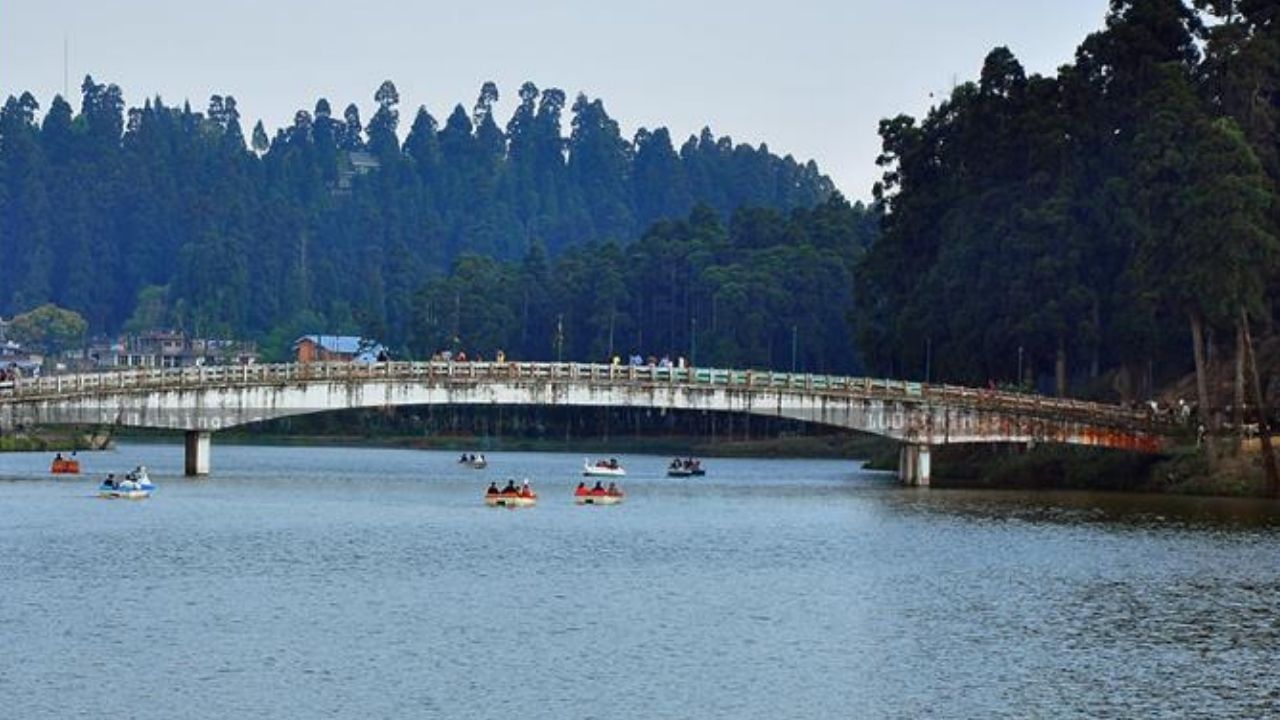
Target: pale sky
{"points": [[811, 78]]}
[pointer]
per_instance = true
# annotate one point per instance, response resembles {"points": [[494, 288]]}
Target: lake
{"points": [[373, 583]]}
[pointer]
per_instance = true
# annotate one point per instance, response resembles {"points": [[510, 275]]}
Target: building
{"points": [[165, 349], [354, 164], [15, 357], [338, 348]]}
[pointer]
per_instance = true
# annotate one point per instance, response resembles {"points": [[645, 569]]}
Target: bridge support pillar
{"points": [[914, 465], [197, 455]]}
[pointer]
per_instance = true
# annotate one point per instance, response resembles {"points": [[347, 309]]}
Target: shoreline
{"points": [[1184, 471]]}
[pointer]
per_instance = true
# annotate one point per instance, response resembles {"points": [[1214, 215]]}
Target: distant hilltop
{"points": [[162, 216]]}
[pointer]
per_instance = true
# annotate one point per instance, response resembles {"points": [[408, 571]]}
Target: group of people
{"points": [[472, 458], [611, 463], [461, 356], [599, 489], [685, 464], [134, 478], [525, 490], [636, 360], [10, 373]]}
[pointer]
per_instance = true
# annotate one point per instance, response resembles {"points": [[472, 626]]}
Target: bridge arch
{"points": [[201, 401]]}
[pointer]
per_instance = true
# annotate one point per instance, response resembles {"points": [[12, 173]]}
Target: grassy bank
{"points": [[53, 440]]}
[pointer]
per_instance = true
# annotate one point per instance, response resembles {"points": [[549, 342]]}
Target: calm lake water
{"points": [[318, 583]]}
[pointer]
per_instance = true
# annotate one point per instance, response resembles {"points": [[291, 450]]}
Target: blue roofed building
{"points": [[338, 348]]}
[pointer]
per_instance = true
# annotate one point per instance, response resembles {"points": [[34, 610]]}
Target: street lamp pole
{"points": [[560, 337], [693, 342], [1019, 366], [794, 345], [928, 358]]}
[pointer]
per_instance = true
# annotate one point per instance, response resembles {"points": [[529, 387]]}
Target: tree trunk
{"points": [[1264, 428], [1060, 367], [1095, 362], [1202, 384]]}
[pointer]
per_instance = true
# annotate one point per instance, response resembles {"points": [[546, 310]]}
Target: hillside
{"points": [[181, 218]]}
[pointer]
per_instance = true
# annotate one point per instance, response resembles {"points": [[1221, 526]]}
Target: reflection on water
{"points": [[349, 582]]}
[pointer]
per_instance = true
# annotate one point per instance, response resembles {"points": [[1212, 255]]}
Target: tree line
{"points": [[162, 216], [767, 289], [1112, 216]]}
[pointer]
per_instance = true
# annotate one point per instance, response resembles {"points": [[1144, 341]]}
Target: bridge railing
{"points": [[65, 386]]}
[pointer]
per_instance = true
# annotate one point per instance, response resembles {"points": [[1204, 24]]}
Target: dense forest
{"points": [[766, 290], [1119, 215], [162, 216]]}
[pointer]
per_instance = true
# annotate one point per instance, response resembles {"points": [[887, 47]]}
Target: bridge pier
{"points": [[914, 465], [197, 452]]}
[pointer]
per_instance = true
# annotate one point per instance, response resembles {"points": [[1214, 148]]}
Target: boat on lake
{"points": [[603, 468], [475, 462], [65, 466], [133, 486], [685, 467], [511, 496], [598, 495]]}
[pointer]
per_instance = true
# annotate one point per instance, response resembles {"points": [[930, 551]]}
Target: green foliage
{"points": [[48, 328], [739, 295], [330, 222], [1079, 220]]}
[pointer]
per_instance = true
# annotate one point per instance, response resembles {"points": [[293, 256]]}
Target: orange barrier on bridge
{"points": [[1120, 440]]}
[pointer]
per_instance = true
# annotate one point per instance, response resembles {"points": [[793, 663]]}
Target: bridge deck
{"points": [[71, 386]]}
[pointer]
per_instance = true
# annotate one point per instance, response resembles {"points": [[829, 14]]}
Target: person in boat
{"points": [[463, 458], [481, 458], [582, 489], [510, 489], [598, 489], [110, 481], [57, 458], [613, 490], [675, 464], [525, 489], [613, 463], [493, 489]]}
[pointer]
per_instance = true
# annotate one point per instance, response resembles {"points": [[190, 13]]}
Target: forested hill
{"points": [[1120, 214], [332, 224]]}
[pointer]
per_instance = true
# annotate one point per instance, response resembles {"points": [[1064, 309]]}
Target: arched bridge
{"points": [[201, 400]]}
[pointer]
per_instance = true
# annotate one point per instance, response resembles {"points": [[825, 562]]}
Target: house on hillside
{"points": [[338, 348], [355, 163], [162, 349], [15, 357]]}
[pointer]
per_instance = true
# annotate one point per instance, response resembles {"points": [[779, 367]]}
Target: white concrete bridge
{"points": [[203, 400]]}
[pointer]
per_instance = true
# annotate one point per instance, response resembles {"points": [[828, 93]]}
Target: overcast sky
{"points": [[811, 78]]}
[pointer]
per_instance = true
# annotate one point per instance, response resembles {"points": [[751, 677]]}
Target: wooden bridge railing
{"points": [[230, 376]]}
